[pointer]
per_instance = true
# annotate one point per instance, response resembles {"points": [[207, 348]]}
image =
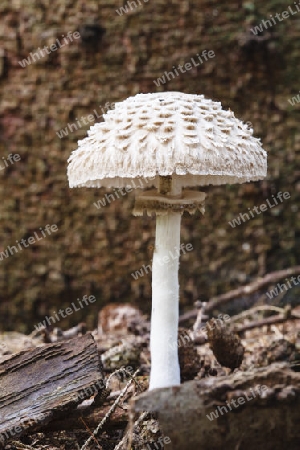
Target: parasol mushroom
{"points": [[176, 140]]}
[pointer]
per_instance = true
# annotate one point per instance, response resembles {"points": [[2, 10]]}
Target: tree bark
{"points": [[41, 384], [268, 421]]}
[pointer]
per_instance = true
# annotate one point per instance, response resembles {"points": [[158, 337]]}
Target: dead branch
{"points": [[278, 318], [242, 291], [250, 288]]}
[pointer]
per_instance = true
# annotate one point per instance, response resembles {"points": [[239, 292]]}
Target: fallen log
{"points": [[41, 384], [259, 409]]}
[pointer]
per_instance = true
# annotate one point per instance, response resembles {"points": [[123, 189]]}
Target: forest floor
{"points": [[267, 334]]}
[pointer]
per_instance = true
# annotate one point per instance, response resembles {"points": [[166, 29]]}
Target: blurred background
{"points": [[121, 52]]}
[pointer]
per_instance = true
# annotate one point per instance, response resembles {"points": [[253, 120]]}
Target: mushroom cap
{"points": [[184, 135]]}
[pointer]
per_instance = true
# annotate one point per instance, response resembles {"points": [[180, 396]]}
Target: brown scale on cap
{"points": [[226, 345]]}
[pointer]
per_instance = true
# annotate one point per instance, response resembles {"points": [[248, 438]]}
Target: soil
{"points": [[124, 348]]}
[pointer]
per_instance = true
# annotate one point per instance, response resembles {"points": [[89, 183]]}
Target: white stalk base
{"points": [[165, 303]]}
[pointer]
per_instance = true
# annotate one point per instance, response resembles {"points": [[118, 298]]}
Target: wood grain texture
{"points": [[265, 422], [41, 384]]}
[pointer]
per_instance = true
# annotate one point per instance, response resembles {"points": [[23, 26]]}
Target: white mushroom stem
{"points": [[165, 303], [165, 369]]}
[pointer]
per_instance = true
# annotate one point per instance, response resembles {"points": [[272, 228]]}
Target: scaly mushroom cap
{"points": [[169, 133]]}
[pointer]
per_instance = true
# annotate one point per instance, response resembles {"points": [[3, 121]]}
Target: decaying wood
{"points": [[43, 383], [268, 421]]}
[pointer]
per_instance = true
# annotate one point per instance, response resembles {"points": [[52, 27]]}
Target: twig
{"points": [[248, 312], [279, 318], [250, 288], [125, 437], [124, 371], [115, 373], [244, 291], [20, 445], [111, 410], [89, 430]]}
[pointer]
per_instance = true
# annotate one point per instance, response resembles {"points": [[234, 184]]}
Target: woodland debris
{"points": [[268, 421], [226, 345], [250, 288], [43, 383]]}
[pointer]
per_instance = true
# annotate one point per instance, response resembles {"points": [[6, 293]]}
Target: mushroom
{"points": [[177, 140]]}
